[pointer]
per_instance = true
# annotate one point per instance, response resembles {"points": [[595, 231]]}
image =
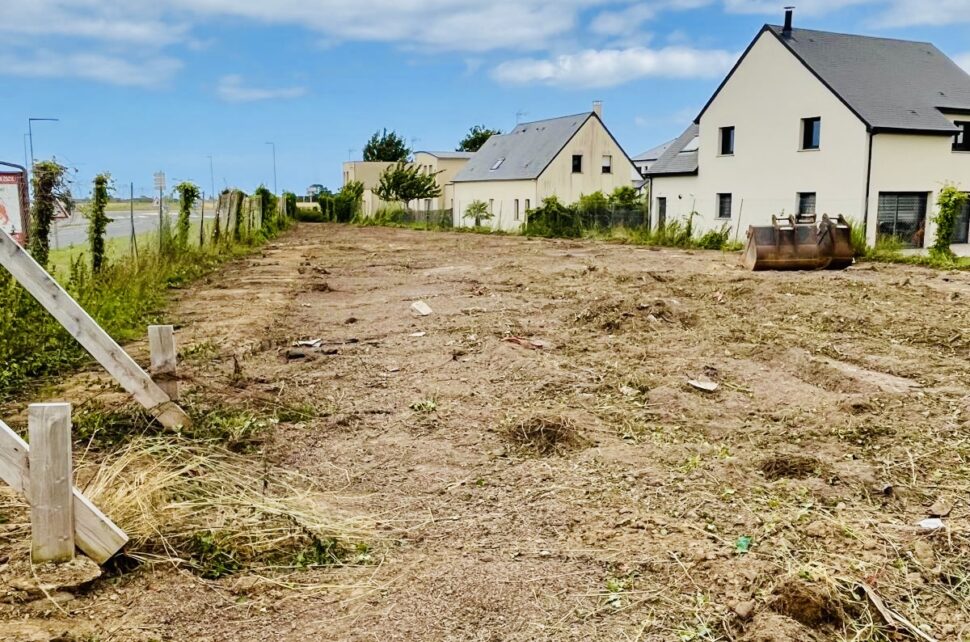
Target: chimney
{"points": [[598, 108], [789, 12]]}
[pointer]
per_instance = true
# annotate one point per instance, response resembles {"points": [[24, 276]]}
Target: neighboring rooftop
{"points": [[652, 154], [448, 155], [680, 157], [523, 153], [890, 84]]}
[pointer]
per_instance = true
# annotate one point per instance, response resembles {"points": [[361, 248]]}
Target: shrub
{"points": [[478, 210], [49, 186], [98, 220], [189, 195], [553, 218], [950, 203]]}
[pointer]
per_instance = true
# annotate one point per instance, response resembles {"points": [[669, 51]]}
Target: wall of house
{"points": [[502, 195], [447, 167], [592, 141], [913, 163], [766, 100]]}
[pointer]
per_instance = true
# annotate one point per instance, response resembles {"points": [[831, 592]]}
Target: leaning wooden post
{"points": [[51, 483], [164, 359]]}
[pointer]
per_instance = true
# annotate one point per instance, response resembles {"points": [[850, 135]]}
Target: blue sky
{"points": [[143, 85]]}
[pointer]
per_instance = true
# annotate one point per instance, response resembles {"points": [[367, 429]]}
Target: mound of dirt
{"points": [[790, 466], [626, 314], [813, 605], [771, 627], [544, 434]]}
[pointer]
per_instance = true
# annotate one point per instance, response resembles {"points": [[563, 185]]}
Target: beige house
{"points": [[369, 173], [565, 157], [817, 122]]}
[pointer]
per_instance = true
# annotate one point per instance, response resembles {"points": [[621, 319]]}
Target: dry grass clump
{"points": [[790, 466], [207, 507], [544, 434]]}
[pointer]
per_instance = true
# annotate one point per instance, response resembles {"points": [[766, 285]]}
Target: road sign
{"points": [[13, 204], [160, 181]]}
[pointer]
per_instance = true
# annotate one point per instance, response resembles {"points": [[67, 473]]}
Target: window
{"points": [[491, 206], [497, 164], [724, 206], [811, 133], [902, 215], [960, 228], [806, 204], [607, 164], [961, 142], [577, 163], [528, 205], [661, 211], [727, 141], [516, 209]]}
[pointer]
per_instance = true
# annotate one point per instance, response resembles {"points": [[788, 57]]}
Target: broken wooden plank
{"points": [[51, 483], [89, 334], [96, 535], [164, 359]]}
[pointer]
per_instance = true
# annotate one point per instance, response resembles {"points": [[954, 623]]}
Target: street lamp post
{"points": [[212, 178], [30, 134], [273, 145]]}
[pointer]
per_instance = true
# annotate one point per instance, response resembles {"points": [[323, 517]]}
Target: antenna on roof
{"points": [[519, 115], [789, 13]]}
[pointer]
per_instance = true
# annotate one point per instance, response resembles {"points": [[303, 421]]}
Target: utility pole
{"points": [[274, 166]]}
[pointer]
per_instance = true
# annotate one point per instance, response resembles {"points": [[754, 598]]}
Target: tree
{"points": [[626, 197], [188, 193], [98, 220], [475, 138], [386, 147], [49, 186], [404, 182], [478, 210]]}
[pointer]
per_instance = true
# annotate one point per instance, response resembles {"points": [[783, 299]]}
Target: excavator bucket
{"points": [[835, 241], [798, 244], [787, 244]]}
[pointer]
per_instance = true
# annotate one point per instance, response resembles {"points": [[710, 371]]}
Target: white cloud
{"points": [[115, 70], [610, 67], [233, 89], [907, 13]]}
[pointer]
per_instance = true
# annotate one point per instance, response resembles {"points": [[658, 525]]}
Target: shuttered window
{"points": [[960, 229], [902, 215], [724, 206], [806, 203]]}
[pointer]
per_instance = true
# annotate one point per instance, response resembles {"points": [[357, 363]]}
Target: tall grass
{"points": [[128, 294]]}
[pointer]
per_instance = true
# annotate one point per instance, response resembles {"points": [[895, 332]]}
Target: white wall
{"points": [[913, 163], [766, 100], [502, 195]]}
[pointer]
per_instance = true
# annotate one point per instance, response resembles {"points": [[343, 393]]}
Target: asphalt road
{"points": [[74, 231]]}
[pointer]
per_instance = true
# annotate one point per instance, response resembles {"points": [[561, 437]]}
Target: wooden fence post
{"points": [[51, 483], [164, 359]]}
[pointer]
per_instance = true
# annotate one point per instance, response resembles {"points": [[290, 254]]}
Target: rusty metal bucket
{"points": [[799, 244], [835, 241], [787, 244]]}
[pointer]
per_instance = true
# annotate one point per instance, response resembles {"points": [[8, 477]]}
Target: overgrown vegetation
{"points": [[189, 194], [124, 296], [49, 186], [341, 207], [98, 220], [950, 204]]}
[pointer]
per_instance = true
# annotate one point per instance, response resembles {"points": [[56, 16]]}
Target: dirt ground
{"points": [[538, 466]]}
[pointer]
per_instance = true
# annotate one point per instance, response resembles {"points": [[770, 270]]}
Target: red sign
{"points": [[13, 205]]}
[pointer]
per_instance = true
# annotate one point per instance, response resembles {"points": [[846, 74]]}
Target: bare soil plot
{"points": [[538, 466]]}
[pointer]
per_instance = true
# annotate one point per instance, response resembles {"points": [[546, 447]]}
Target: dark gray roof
{"points": [[889, 84], [653, 154], [680, 157], [525, 152], [447, 155]]}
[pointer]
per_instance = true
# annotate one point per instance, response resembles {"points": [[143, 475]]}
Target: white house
{"points": [[819, 122], [566, 157], [444, 165], [647, 159]]}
